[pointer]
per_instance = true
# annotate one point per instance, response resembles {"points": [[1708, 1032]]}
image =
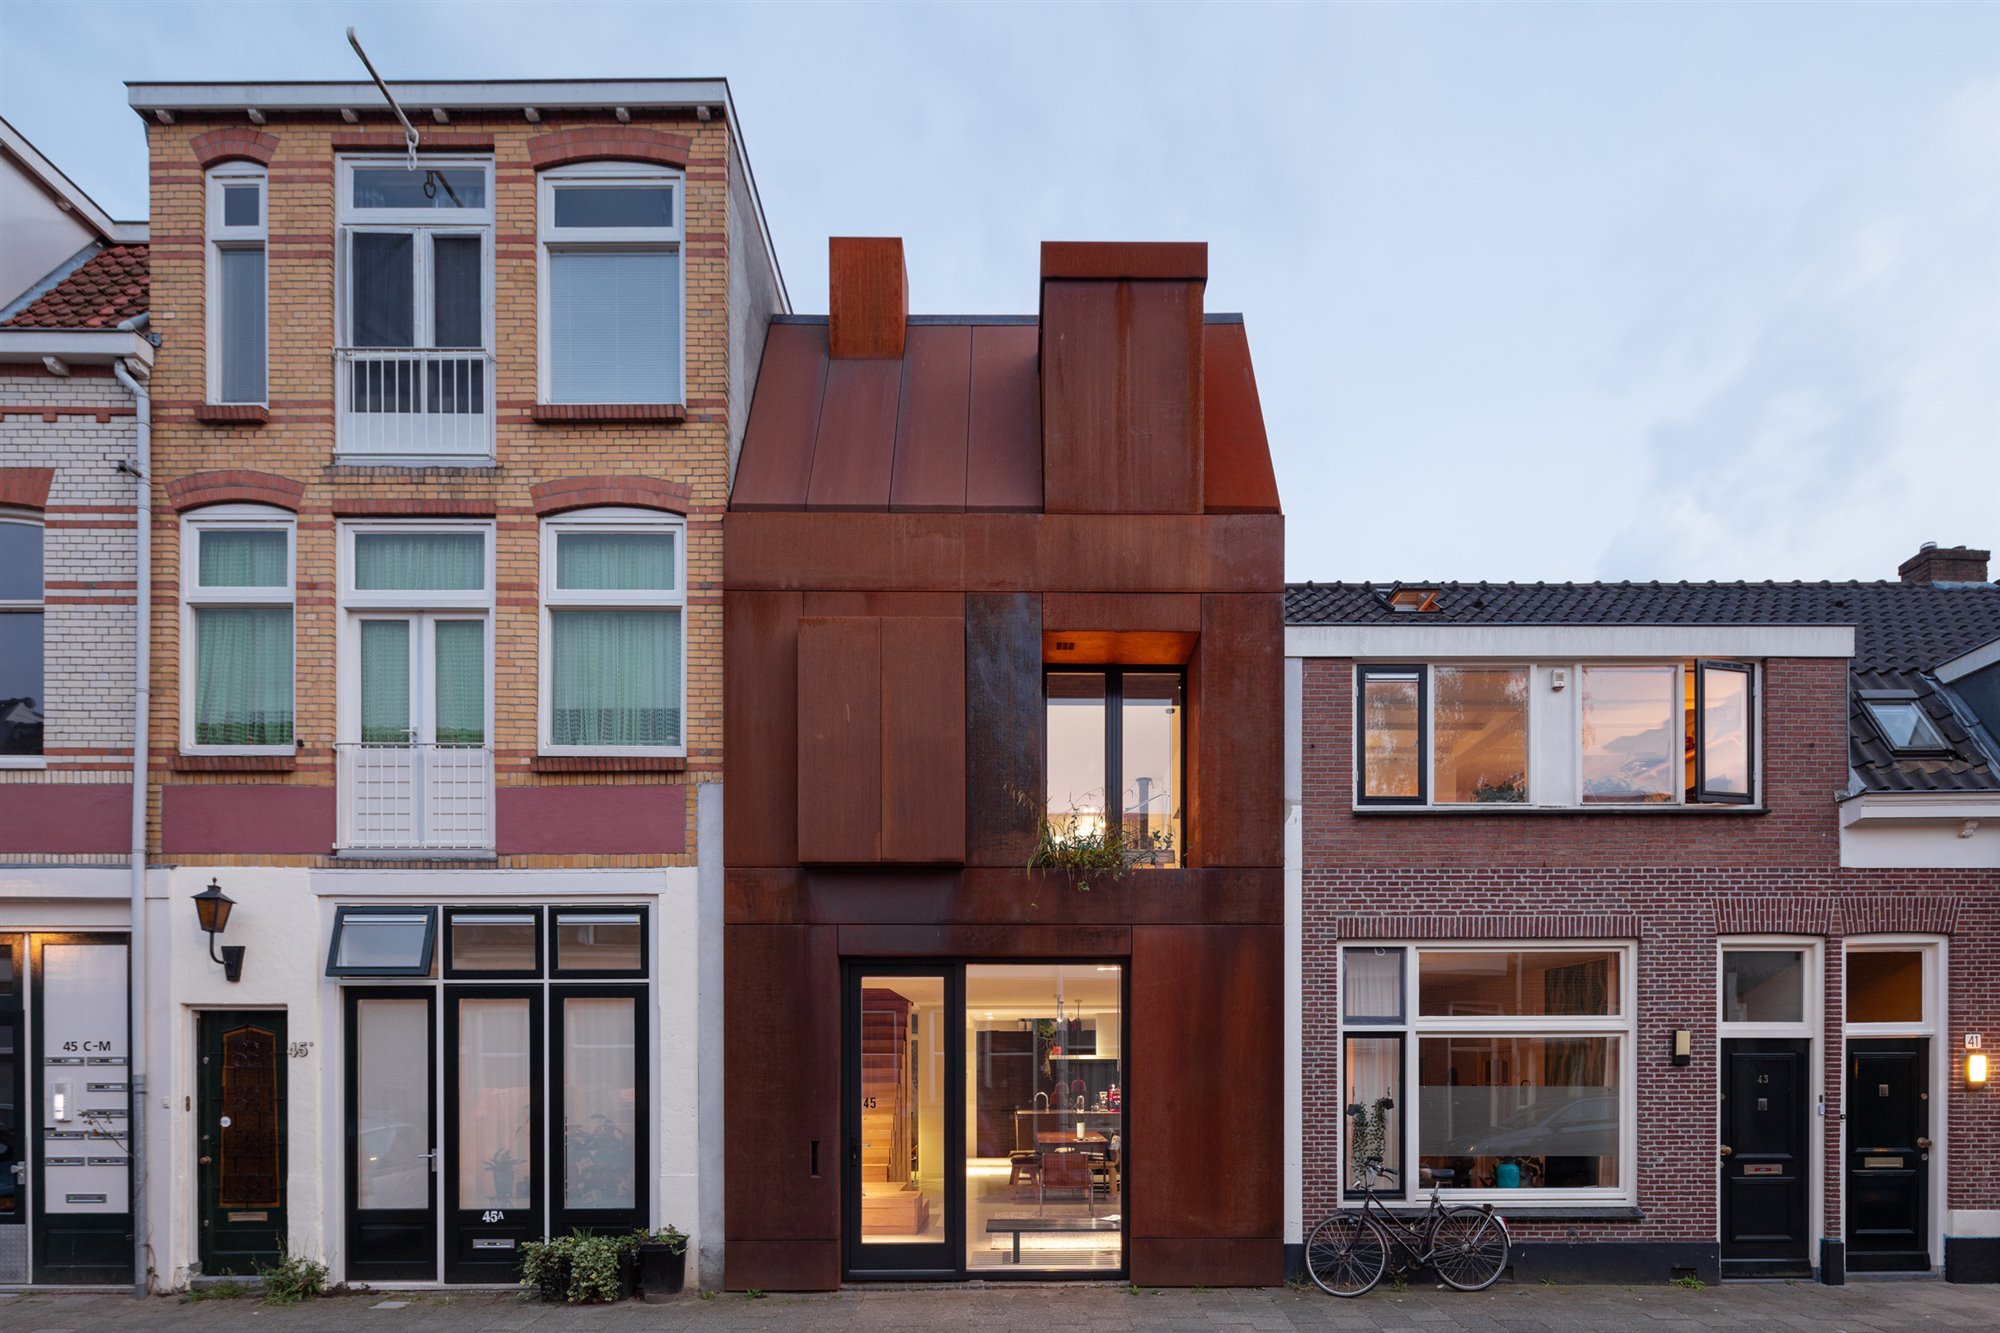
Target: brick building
{"points": [[443, 438], [73, 301], [1659, 915]]}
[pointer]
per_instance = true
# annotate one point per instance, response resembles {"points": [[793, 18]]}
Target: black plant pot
{"points": [[662, 1271], [628, 1275]]}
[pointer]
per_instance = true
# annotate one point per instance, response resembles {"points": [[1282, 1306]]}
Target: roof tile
{"points": [[107, 289]]}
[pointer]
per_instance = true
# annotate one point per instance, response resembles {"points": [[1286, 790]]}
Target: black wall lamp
{"points": [[212, 906], [1682, 1051]]}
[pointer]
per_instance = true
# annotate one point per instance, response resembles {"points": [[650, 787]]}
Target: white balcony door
{"points": [[421, 775]]}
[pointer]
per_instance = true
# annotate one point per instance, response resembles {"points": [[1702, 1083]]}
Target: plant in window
{"points": [[1089, 848], [1508, 790], [1369, 1136]]}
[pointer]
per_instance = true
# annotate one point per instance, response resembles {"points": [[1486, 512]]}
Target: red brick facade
{"points": [[1673, 881]]}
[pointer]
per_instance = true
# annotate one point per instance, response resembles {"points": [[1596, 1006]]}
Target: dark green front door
{"points": [[240, 1147]]}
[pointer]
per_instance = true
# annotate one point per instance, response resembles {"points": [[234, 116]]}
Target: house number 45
{"points": [[493, 1215], [299, 1050]]}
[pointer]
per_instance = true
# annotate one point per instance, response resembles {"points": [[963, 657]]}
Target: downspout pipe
{"points": [[142, 700]]}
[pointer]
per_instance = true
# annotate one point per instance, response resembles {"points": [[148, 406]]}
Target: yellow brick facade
{"points": [[297, 441]]}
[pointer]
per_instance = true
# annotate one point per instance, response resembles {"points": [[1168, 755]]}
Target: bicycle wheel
{"points": [[1469, 1248], [1346, 1254]]}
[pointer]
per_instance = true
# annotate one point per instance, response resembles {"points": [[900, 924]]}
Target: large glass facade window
{"points": [[1519, 1060], [1632, 735], [1044, 1116], [1114, 760], [1481, 721]]}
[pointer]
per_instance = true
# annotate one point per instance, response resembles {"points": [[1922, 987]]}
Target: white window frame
{"points": [[222, 236], [1547, 790], [609, 520], [1936, 1026], [1811, 1027], [549, 238], [358, 604], [425, 225], [194, 597], [1415, 1027], [40, 605]]}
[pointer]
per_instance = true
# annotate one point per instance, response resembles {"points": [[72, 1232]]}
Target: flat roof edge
{"points": [[460, 94]]}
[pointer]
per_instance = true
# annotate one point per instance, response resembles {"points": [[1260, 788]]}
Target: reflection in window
{"points": [[600, 1124], [1632, 735], [492, 942], [1885, 986], [1150, 718], [1904, 725], [1566, 982], [495, 1072], [21, 701], [1392, 703], [1516, 1112], [1076, 739], [1482, 734], [1763, 986], [382, 942], [1374, 1068], [600, 942], [1724, 737]]}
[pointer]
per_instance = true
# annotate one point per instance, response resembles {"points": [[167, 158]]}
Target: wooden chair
{"points": [[1023, 1164], [1066, 1169], [1106, 1167]]}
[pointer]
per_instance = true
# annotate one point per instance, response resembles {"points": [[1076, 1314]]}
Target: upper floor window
{"points": [[1114, 758], [613, 599], [237, 229], [611, 305], [415, 307], [1508, 734], [236, 667], [21, 689]]}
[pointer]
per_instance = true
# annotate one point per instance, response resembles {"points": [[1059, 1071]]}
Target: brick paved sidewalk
{"points": [[1052, 1308]]}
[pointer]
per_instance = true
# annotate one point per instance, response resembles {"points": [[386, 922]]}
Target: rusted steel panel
{"points": [[1003, 727], [1207, 1035], [934, 421], [1121, 611], [760, 638], [782, 1265], [775, 467], [868, 296], [1121, 397], [1205, 1262], [1003, 464], [1236, 455], [857, 436], [1184, 261], [923, 739], [990, 940], [840, 738], [781, 1015], [1009, 895], [883, 604], [1240, 810]]}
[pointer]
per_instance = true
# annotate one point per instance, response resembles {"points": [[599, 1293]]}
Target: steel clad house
{"points": [[1664, 916], [994, 585]]}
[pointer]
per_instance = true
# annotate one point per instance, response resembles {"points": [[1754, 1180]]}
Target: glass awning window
{"points": [[382, 942]]}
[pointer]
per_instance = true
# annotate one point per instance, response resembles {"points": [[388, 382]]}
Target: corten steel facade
{"points": [[1676, 886], [928, 513]]}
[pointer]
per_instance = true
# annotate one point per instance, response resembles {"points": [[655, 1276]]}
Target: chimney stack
{"points": [[868, 298], [1944, 564]]}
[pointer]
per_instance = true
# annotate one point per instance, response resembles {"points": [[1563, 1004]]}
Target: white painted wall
{"points": [[283, 917], [38, 234], [1921, 845]]}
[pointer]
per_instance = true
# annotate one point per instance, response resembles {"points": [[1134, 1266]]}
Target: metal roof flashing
{"points": [[452, 94]]}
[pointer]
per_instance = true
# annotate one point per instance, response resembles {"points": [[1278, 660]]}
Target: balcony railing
{"points": [[415, 797], [414, 402]]}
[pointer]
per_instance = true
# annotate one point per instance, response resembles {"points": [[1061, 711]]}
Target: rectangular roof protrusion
{"points": [[868, 297]]}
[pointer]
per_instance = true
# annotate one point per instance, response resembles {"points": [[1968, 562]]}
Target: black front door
{"points": [[493, 1093], [1766, 1168], [1888, 1155], [391, 1134], [240, 1140]]}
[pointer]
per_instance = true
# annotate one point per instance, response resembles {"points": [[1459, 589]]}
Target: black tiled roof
{"points": [[1901, 632]]}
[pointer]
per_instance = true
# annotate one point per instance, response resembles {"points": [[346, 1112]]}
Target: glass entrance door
{"points": [[904, 1129], [391, 1135], [493, 1175]]}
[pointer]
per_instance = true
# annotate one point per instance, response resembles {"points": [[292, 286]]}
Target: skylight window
{"points": [[1401, 598], [1904, 725]]}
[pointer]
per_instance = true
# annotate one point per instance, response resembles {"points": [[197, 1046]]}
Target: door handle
{"points": [[1924, 1145], [205, 1159], [1728, 1151]]}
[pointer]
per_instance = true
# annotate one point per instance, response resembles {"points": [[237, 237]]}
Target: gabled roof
{"points": [[1902, 633], [105, 290]]}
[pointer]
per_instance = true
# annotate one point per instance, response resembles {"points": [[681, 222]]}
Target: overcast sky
{"points": [[1535, 292]]}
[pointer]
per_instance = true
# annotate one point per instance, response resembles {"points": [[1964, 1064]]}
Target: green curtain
{"points": [[243, 675], [616, 678], [385, 682], [461, 682], [245, 559], [419, 561], [623, 561]]}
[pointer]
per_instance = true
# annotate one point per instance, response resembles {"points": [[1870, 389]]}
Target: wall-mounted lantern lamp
{"points": [[212, 906], [1683, 1050], [1975, 1062]]}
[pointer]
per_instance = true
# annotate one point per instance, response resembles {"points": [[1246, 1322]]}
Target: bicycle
{"points": [[1347, 1253]]}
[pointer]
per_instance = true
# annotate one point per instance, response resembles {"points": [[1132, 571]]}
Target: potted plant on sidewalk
{"points": [[662, 1263]]}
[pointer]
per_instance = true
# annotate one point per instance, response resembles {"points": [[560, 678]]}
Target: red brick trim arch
{"points": [[235, 486], [26, 487], [234, 143], [565, 493], [608, 143]]}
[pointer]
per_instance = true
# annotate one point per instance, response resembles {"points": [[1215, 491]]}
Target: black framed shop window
{"points": [[495, 942], [600, 942], [382, 942], [1114, 758]]}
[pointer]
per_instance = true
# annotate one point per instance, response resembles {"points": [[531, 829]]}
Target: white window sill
{"points": [[415, 460], [24, 762], [1510, 810]]}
